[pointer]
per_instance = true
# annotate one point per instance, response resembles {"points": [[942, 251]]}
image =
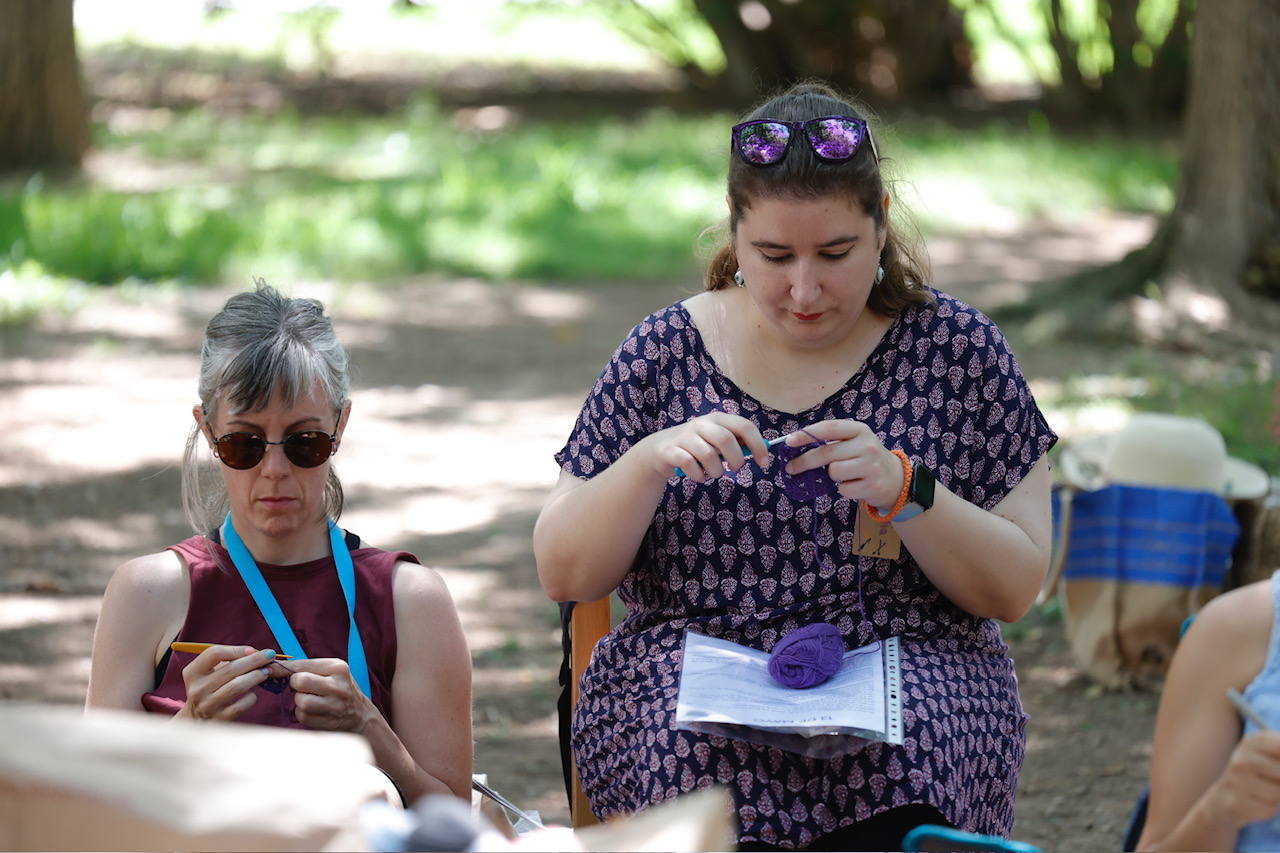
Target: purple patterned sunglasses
{"points": [[763, 142]]}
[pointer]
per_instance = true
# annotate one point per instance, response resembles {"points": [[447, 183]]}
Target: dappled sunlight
{"points": [[551, 306], [21, 611], [434, 476], [60, 432], [119, 534], [1090, 418], [1090, 404], [963, 202], [432, 515], [990, 268], [472, 303], [506, 677], [128, 171], [466, 586], [462, 391], [63, 681], [1182, 299], [403, 402]]}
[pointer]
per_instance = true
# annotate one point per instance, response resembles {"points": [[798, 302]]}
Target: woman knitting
{"points": [[373, 642], [895, 401]]}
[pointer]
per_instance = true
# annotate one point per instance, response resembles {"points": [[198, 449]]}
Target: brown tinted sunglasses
{"points": [[305, 449]]}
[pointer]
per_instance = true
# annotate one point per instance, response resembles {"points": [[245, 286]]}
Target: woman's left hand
{"points": [[327, 696], [854, 457]]}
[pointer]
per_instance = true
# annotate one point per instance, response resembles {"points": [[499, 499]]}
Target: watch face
{"points": [[922, 483]]}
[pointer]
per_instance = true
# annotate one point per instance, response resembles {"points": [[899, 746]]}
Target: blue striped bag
{"points": [[1138, 561]]}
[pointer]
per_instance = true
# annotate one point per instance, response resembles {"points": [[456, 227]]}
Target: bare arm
{"points": [[144, 604], [429, 749], [992, 564], [589, 531], [1207, 783], [144, 607]]}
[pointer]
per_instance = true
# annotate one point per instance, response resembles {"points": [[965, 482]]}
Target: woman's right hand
{"points": [[703, 446], [1249, 788], [221, 679]]}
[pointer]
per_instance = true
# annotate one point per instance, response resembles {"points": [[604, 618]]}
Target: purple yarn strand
{"points": [[811, 654], [807, 485]]}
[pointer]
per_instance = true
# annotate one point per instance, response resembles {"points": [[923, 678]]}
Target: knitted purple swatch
{"points": [[807, 656], [806, 485]]}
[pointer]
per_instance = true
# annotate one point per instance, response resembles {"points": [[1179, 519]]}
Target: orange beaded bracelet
{"points": [[907, 469]]}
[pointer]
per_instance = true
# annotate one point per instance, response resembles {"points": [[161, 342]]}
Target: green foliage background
{"points": [[377, 198]]}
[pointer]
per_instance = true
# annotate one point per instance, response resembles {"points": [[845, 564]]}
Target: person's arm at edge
{"points": [[1197, 728], [429, 750], [144, 597]]}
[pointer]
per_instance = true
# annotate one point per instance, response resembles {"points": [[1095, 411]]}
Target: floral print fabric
{"points": [[737, 558]]}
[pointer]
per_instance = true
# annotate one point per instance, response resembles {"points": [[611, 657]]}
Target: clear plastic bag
{"points": [[725, 690]]}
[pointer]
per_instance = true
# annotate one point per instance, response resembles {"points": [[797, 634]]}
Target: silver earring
{"points": [[739, 280], [879, 274]]}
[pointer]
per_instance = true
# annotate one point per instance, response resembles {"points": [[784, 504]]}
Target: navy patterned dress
{"points": [[736, 558]]}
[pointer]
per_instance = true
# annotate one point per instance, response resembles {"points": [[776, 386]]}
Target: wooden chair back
{"points": [[590, 621]]}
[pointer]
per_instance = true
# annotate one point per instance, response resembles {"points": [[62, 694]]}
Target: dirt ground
{"points": [[464, 389]]}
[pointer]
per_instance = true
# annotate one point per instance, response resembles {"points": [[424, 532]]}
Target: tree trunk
{"points": [[752, 66], [43, 121], [1220, 247], [876, 50], [1127, 82], [1209, 280]]}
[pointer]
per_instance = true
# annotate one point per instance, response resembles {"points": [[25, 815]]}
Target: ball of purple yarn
{"points": [[807, 656]]}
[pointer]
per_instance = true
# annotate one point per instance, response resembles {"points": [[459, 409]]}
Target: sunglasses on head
{"points": [[305, 449], [834, 139]]}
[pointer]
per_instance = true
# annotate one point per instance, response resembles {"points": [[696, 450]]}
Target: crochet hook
{"points": [[511, 807], [197, 648], [1246, 710], [746, 454]]}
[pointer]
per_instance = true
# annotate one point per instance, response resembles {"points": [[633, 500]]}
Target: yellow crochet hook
{"points": [[197, 648]]}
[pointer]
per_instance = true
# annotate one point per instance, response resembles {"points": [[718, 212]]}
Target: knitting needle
{"points": [[197, 648], [504, 802], [746, 454], [1246, 710]]}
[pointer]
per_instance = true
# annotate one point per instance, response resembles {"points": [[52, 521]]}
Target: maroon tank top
{"points": [[221, 610]]}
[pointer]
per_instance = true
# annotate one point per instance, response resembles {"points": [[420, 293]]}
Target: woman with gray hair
{"points": [[272, 614]]}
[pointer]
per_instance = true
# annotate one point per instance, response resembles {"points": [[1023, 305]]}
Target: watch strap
{"points": [[909, 510], [920, 496]]}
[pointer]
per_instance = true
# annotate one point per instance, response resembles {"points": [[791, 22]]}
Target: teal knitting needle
{"points": [[747, 453]]}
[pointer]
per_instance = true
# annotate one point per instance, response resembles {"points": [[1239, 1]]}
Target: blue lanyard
{"points": [[270, 608]]}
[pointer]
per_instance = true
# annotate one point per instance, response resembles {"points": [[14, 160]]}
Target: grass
{"points": [[1237, 404], [1237, 399], [348, 198], [376, 198], [1012, 174]]}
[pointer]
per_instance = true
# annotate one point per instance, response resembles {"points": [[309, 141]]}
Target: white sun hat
{"points": [[1162, 450]]}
